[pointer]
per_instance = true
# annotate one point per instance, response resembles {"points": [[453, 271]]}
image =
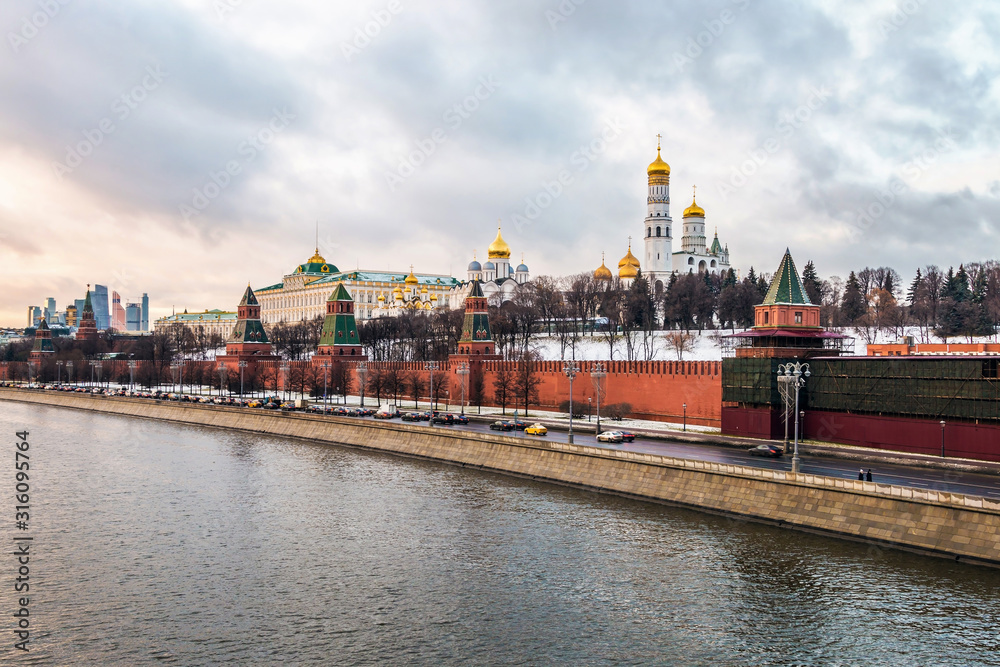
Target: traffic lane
{"points": [[951, 481]]}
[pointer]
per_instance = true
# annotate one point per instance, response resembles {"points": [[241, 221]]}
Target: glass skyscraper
{"points": [[99, 301]]}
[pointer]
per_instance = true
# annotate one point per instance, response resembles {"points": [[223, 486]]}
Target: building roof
{"points": [[248, 298], [204, 315], [785, 286], [340, 294], [477, 290]]}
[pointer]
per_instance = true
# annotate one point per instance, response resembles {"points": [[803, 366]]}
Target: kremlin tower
{"points": [[658, 250], [340, 332], [88, 325], [248, 340]]}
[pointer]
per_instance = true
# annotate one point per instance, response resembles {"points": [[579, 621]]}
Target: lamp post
{"points": [[432, 366], [326, 368], [942, 438], [463, 372], [797, 373], [685, 423], [69, 372], [284, 378], [59, 366], [362, 371], [92, 374], [222, 375], [598, 374], [570, 369], [242, 365], [131, 375], [181, 364], [590, 408]]}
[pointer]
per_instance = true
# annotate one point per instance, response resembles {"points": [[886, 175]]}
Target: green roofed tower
{"points": [[87, 328], [43, 342], [248, 339], [477, 339], [340, 332], [785, 285]]}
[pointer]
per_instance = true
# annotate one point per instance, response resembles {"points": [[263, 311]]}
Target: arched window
{"points": [[657, 231], [690, 260], [713, 263], [649, 232]]}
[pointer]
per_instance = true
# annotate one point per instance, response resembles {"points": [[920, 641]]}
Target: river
{"points": [[157, 543]]}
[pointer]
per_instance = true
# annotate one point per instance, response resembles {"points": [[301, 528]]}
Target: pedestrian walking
{"points": [[861, 475], [868, 476]]}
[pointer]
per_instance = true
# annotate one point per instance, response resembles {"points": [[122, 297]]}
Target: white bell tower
{"points": [[658, 228]]}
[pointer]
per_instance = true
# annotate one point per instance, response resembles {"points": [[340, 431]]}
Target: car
{"points": [[389, 413], [627, 436], [501, 425], [536, 429], [340, 411], [364, 412], [609, 436], [443, 418], [772, 451], [461, 419], [519, 424], [411, 417]]}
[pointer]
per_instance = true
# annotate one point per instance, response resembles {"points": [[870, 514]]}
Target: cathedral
{"points": [[497, 279], [659, 260]]}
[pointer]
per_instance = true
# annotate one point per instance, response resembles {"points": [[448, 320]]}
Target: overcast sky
{"points": [[183, 148]]}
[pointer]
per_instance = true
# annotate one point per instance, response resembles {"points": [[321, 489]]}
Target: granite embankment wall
{"points": [[945, 524]]}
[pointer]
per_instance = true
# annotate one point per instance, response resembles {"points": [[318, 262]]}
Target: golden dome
{"points": [[316, 258], [602, 272], [694, 211], [397, 293], [499, 248], [424, 290], [628, 260], [628, 272], [411, 279], [434, 297], [381, 297], [658, 166]]}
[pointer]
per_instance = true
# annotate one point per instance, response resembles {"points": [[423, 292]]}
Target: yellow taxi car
{"points": [[536, 429]]}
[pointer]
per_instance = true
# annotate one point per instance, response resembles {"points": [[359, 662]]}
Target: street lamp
{"points": [[362, 371], [432, 366], [131, 375], [181, 364], [326, 367], [222, 375], [570, 369], [597, 374], [685, 424], [59, 366], [942, 438], [242, 365], [69, 371], [796, 372], [463, 372], [590, 408], [284, 378]]}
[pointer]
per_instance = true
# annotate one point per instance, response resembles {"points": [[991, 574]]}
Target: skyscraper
{"points": [[117, 312], [99, 301], [145, 313], [133, 317], [34, 314], [50, 309]]}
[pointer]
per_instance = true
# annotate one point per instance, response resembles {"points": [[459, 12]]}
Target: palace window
{"points": [[767, 317], [657, 231], [798, 317]]}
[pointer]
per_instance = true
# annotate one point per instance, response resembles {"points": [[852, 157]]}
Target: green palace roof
{"points": [[786, 286]]}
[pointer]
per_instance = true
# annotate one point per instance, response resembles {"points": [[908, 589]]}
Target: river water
{"points": [[156, 543]]}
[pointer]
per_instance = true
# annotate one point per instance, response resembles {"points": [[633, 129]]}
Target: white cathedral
{"points": [[659, 260]]}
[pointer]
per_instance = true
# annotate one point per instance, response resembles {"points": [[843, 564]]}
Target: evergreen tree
{"points": [[854, 304], [812, 284], [914, 293]]}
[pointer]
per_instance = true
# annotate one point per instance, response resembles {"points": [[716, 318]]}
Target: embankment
{"points": [[945, 524]]}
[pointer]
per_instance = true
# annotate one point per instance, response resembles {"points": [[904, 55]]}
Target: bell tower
{"points": [[657, 234]]}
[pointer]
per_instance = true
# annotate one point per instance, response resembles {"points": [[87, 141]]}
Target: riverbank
{"points": [[957, 526]]}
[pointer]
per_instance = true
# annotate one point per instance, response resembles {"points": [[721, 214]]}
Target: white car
{"points": [[610, 436]]}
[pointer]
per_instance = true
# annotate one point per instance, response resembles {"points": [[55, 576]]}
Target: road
{"points": [[935, 479]]}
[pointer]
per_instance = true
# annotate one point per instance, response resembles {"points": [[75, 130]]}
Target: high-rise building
{"points": [[50, 310], [144, 324], [71, 314], [99, 302], [79, 308], [133, 317], [117, 312], [34, 314]]}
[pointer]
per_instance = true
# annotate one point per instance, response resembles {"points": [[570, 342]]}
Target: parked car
{"points": [[772, 451], [443, 418], [502, 426], [340, 411], [461, 419], [610, 436], [536, 429], [365, 412], [411, 417]]}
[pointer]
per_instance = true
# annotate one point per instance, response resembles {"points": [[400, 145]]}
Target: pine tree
{"points": [[812, 284], [853, 305], [914, 292]]}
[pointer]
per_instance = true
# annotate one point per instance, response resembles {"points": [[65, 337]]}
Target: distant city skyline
{"points": [[189, 148]]}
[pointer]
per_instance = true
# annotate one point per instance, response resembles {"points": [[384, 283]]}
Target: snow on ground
{"points": [[706, 347]]}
